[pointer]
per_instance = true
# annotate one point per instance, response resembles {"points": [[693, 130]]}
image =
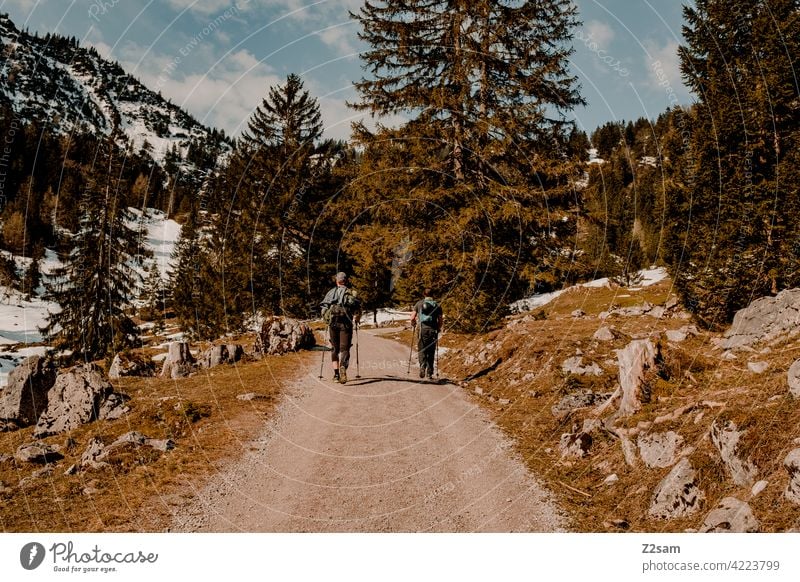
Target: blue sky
{"points": [[217, 58]]}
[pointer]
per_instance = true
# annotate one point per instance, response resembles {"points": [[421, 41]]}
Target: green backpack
{"points": [[343, 309]]}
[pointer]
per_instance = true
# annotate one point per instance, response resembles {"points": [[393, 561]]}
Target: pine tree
{"points": [[268, 235], [735, 237], [96, 282], [479, 177]]}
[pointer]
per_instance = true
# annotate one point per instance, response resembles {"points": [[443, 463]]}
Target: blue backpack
{"points": [[428, 312]]}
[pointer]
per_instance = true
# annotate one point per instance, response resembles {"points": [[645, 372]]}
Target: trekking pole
{"points": [[437, 355], [358, 365], [411, 349], [322, 361]]}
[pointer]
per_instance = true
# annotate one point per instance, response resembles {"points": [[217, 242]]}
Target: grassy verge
{"points": [[517, 376], [142, 488]]}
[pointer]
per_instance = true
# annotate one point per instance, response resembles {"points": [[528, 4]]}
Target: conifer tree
{"points": [[96, 282], [479, 177], [268, 234], [736, 237]]}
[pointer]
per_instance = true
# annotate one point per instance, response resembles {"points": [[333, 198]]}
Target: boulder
{"points": [[635, 360], [40, 453], [676, 335], [604, 334], [179, 362], [574, 365], [281, 335], [677, 495], [725, 437], [575, 444], [659, 450], [92, 452], [130, 365], [730, 516], [758, 367], [79, 396], [24, 399], [794, 379], [765, 320], [576, 400], [578, 313], [792, 464], [221, 354]]}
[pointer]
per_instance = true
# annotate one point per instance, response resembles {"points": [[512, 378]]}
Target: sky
{"points": [[218, 58]]}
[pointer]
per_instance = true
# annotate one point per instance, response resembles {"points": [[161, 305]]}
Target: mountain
{"points": [[58, 83]]}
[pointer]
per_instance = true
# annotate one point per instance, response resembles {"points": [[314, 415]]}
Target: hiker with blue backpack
{"points": [[428, 313], [341, 310]]}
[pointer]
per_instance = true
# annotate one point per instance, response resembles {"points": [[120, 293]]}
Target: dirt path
{"points": [[386, 453]]}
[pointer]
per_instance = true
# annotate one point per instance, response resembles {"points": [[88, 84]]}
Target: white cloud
{"points": [[210, 6], [663, 64], [599, 32]]}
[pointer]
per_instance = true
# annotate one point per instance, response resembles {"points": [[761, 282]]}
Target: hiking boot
{"points": [[342, 376], [336, 376], [422, 371], [430, 375]]}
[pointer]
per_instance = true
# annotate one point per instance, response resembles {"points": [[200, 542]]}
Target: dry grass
{"points": [[142, 487], [522, 390]]}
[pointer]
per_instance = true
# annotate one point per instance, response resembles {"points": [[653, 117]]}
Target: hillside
{"points": [[719, 422], [58, 83]]}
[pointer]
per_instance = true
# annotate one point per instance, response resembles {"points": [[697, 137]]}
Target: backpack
{"points": [[344, 305], [428, 312]]}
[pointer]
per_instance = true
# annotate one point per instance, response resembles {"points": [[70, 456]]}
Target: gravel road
{"points": [[384, 453]]}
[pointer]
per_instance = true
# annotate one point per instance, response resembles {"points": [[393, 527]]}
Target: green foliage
{"points": [[94, 285], [735, 238], [476, 186]]}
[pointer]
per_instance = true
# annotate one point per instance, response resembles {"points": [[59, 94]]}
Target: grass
{"points": [[521, 392], [142, 488]]}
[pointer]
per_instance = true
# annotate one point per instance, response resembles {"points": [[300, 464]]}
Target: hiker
{"points": [[341, 309], [429, 314]]}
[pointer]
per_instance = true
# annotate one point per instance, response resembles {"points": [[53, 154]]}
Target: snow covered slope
{"points": [[55, 81]]}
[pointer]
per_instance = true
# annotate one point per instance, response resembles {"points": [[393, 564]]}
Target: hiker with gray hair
{"points": [[341, 310]]}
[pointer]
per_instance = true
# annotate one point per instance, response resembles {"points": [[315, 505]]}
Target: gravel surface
{"points": [[384, 453]]}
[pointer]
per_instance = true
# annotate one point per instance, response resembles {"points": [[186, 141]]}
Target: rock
{"points": [[504, 401], [658, 312], [730, 516], [616, 523], [578, 313], [179, 362], [759, 487], [611, 479], [5, 458], [634, 361], [690, 330], [676, 335], [672, 303], [79, 396], [162, 445], [72, 470], [281, 335], [792, 464], [728, 356], [659, 450], [677, 495], [758, 367], [629, 451], [576, 400], [604, 315], [24, 398], [222, 354], [765, 320], [89, 456], [604, 334], [575, 444], [794, 379], [725, 437], [4, 488], [130, 365], [574, 365], [39, 453]]}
